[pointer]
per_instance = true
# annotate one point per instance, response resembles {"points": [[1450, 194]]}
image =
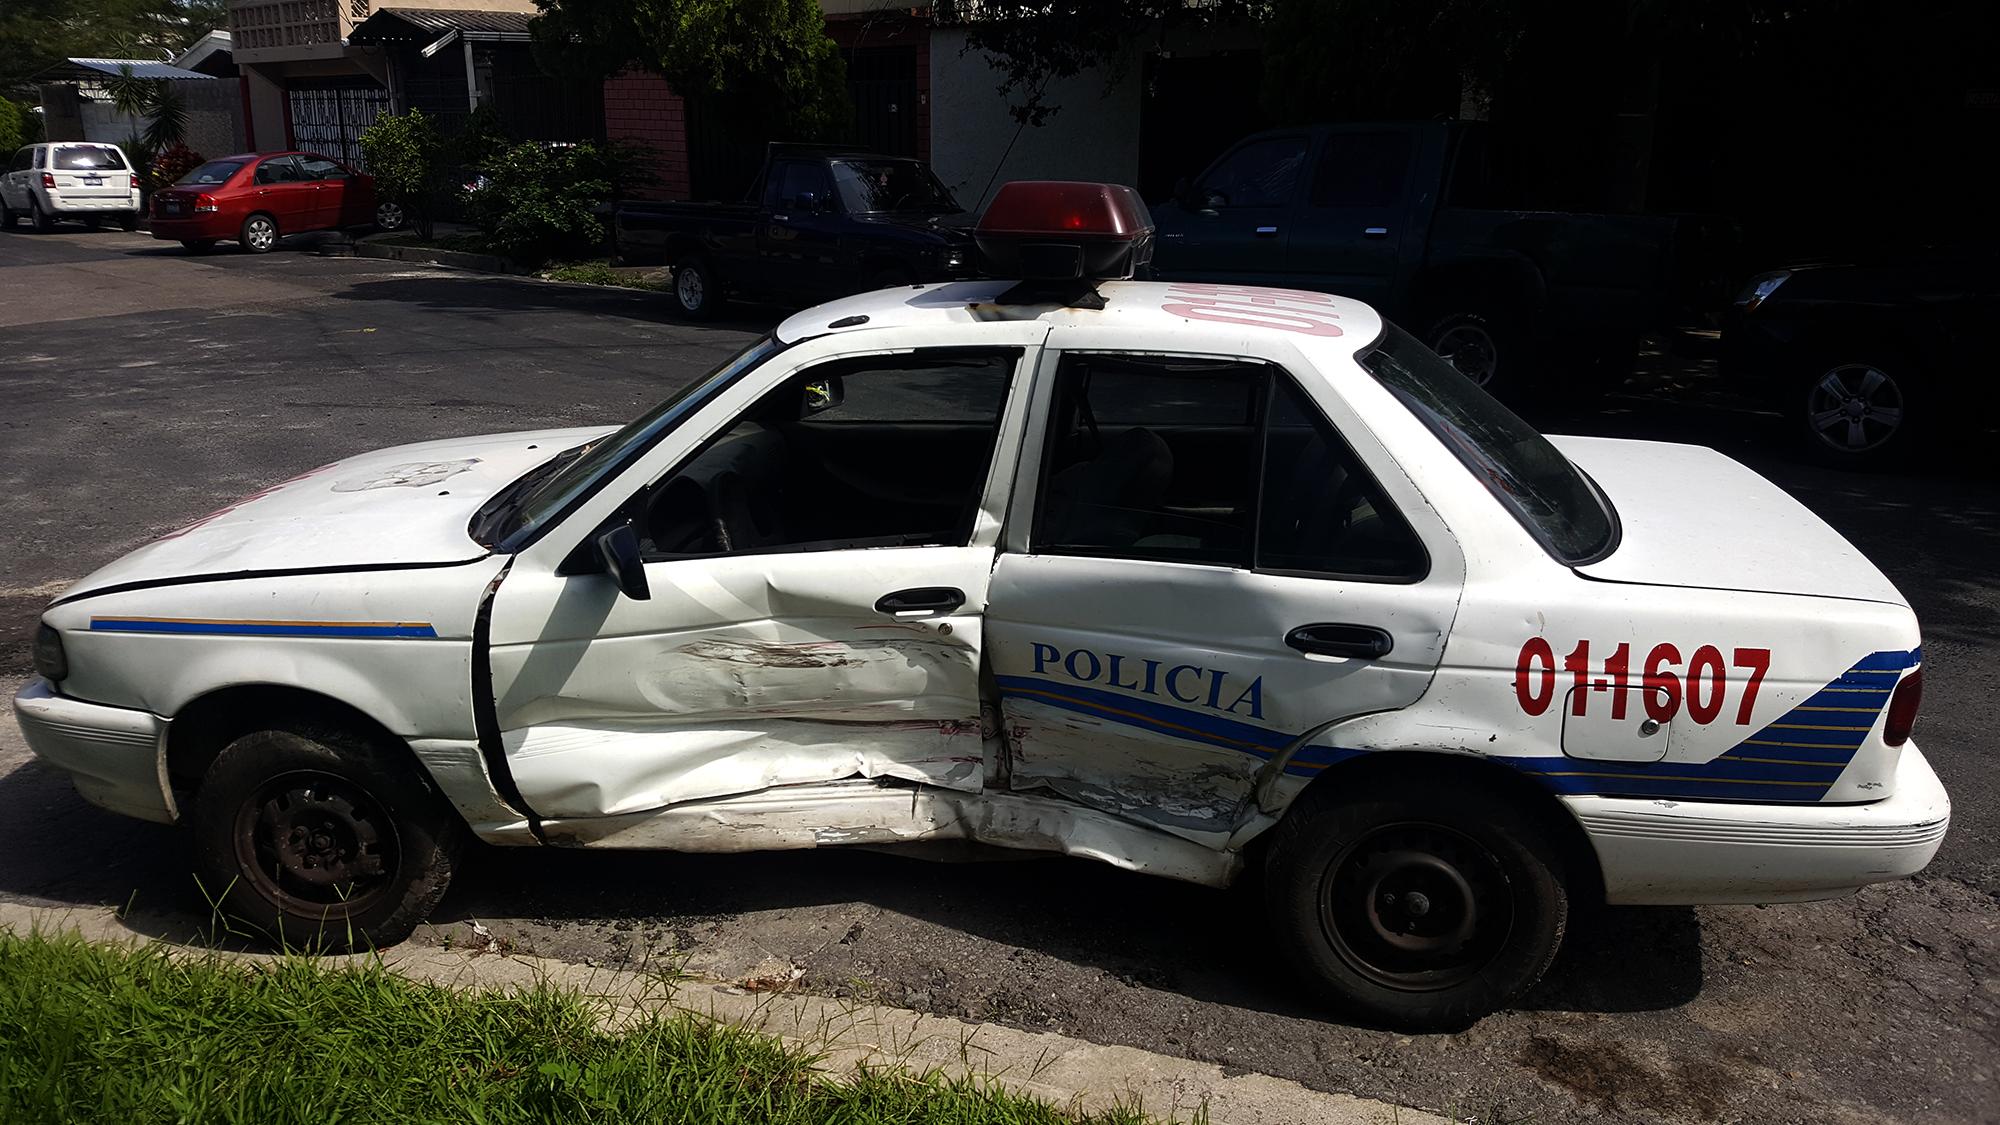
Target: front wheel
{"points": [[696, 294], [1421, 912], [323, 841], [259, 234]]}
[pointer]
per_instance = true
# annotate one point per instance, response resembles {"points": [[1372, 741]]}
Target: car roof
{"points": [[1182, 309]]}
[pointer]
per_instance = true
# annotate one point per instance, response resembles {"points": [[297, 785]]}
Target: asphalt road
{"points": [[140, 388]]}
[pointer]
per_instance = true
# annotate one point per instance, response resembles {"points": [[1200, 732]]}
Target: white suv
{"points": [[70, 179]]}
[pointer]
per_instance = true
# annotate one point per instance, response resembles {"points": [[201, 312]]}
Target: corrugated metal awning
{"points": [[433, 27], [112, 68]]}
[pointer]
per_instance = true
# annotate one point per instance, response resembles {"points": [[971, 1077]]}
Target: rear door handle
{"points": [[921, 600], [1376, 232], [1267, 232], [1360, 642]]}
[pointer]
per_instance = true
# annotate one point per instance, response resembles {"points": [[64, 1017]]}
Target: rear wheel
{"points": [[1861, 410], [128, 220], [696, 294], [93, 222], [1478, 346], [43, 221], [322, 840], [198, 245], [259, 234], [389, 215], [1422, 914], [8, 216]]}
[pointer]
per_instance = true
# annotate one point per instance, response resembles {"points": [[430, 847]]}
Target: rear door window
{"points": [[279, 170], [1361, 169], [88, 158]]}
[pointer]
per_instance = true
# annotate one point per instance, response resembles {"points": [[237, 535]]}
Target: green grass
{"points": [[600, 273], [92, 1033]]}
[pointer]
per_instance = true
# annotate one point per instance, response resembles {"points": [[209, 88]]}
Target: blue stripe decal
{"points": [[262, 628], [1180, 722]]}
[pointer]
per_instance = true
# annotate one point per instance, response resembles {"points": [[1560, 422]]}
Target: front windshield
{"points": [[1552, 498], [519, 512], [890, 185]]}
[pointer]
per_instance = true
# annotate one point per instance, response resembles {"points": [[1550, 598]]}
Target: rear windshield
{"points": [[212, 173], [1552, 498], [86, 157]]}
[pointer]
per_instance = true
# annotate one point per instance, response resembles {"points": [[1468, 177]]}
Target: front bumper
{"points": [[116, 756], [1674, 853]]}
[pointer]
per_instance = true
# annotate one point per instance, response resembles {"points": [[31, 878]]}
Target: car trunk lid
{"points": [[1689, 516]]}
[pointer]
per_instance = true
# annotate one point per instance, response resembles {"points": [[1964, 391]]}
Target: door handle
{"points": [[1360, 642], [921, 600], [1267, 232], [1376, 232]]}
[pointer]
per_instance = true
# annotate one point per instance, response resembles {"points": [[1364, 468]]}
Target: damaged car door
{"points": [[1211, 576], [805, 605]]}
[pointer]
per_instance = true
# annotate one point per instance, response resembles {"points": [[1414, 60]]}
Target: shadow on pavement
{"points": [[463, 292]]}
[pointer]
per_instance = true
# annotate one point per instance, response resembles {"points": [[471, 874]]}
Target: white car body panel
{"points": [[760, 700]]}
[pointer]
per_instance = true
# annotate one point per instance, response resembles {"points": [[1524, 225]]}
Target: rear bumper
{"points": [[97, 205], [1668, 853], [116, 756], [200, 226]]}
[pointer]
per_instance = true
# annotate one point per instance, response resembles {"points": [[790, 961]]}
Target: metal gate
{"points": [[329, 119]]}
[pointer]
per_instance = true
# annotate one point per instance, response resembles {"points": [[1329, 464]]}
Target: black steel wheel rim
{"points": [[316, 844], [1416, 907]]}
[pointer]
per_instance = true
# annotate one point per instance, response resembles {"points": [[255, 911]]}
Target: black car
{"points": [[1868, 360], [818, 223]]}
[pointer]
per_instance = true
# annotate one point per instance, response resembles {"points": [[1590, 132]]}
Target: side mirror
{"points": [[824, 394], [1184, 192], [807, 201], [619, 548], [1210, 201]]}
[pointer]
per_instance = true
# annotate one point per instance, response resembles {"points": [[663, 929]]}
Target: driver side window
{"points": [[886, 451], [1259, 174]]}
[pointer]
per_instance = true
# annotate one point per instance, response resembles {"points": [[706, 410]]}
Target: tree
{"points": [[11, 133], [766, 66], [155, 99], [405, 154]]}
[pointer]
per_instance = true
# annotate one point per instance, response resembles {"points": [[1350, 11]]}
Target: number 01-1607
{"points": [[1700, 684]]}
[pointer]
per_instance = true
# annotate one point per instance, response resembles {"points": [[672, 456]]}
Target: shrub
{"points": [[541, 200], [405, 154], [171, 164], [11, 131]]}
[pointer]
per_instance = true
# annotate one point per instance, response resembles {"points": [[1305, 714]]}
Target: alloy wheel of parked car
{"points": [[1855, 408], [389, 215], [322, 839], [694, 289], [260, 233], [1467, 342]]}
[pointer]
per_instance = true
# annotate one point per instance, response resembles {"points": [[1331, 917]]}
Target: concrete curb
{"points": [[1055, 1068], [425, 255]]}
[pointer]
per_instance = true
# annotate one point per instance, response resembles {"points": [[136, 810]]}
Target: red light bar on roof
{"points": [[1065, 230]]}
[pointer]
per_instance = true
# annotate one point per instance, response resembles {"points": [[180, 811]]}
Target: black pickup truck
{"points": [[1420, 221], [818, 223]]}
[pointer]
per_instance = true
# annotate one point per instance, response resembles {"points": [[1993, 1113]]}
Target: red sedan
{"points": [[259, 198]]}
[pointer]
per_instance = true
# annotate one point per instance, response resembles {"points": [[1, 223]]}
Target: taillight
{"points": [[135, 183], [48, 179], [1903, 709], [204, 202]]}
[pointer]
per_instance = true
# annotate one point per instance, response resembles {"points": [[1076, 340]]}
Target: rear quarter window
{"points": [[84, 158]]}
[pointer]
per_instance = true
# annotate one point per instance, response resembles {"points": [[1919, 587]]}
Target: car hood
{"points": [[1690, 516], [404, 506], [954, 229]]}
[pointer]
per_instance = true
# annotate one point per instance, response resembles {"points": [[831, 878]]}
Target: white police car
{"points": [[1181, 577]]}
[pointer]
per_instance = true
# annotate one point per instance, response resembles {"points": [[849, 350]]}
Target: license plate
{"points": [[175, 206], [93, 181]]}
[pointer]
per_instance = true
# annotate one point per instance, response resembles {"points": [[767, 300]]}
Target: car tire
{"points": [[128, 220], [1420, 908], [1860, 408], [8, 216], [1479, 346], [322, 840], [259, 235], [93, 222], [42, 221], [198, 245], [389, 215], [696, 294]]}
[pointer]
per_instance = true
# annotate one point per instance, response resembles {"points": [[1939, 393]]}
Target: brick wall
{"points": [[642, 110]]}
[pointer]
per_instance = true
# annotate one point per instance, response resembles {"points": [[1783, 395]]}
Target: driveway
{"points": [[143, 388]]}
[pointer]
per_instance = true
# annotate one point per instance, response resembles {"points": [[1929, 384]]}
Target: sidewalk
{"points": [[1055, 1068]]}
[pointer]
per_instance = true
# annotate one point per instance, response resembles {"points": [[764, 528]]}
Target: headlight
{"points": [[1760, 288], [50, 662]]}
